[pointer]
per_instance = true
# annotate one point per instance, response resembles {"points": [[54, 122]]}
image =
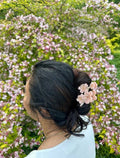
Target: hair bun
{"points": [[80, 78], [76, 72], [83, 110]]}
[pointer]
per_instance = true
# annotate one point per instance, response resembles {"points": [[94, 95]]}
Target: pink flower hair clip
{"points": [[87, 96]]}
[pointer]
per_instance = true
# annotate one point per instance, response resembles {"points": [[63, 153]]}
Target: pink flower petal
{"points": [[83, 88], [93, 85]]}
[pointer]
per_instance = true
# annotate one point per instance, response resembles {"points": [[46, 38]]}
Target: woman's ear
{"points": [[44, 112], [33, 115]]}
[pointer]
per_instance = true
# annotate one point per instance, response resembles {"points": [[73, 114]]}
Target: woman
{"points": [[59, 97]]}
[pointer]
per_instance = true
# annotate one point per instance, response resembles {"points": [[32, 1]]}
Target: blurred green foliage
{"points": [[116, 61], [115, 1], [104, 152]]}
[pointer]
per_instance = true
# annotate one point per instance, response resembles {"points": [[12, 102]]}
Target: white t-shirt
{"points": [[73, 147]]}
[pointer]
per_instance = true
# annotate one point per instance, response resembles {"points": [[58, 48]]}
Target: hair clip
{"points": [[87, 96]]}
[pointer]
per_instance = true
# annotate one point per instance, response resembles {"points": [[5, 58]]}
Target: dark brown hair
{"points": [[53, 86]]}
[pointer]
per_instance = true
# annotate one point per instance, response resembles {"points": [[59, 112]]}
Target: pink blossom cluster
{"points": [[87, 96], [18, 56]]}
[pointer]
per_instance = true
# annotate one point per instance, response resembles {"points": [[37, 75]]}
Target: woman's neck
{"points": [[54, 138], [54, 135]]}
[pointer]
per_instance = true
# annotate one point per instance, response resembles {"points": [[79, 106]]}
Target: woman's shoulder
{"points": [[32, 154]]}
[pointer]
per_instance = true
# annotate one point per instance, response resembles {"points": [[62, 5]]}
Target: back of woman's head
{"points": [[53, 86]]}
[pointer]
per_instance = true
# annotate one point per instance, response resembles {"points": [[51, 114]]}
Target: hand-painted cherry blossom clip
{"points": [[87, 96]]}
